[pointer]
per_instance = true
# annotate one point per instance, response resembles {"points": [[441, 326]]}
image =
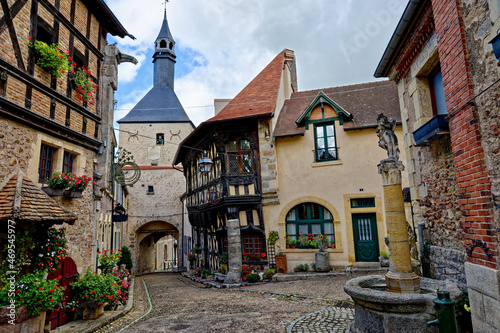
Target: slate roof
{"points": [[259, 97], [364, 101], [21, 199], [165, 31], [160, 105]]}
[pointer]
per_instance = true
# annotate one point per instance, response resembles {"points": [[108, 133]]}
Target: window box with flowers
{"points": [[76, 186], [307, 241], [50, 58], [57, 183], [84, 85]]}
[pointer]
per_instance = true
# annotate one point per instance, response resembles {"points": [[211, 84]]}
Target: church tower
{"points": [[152, 131]]}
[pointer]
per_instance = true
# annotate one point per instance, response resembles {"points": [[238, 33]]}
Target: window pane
{"points": [[437, 84], [319, 132], [316, 229], [314, 211], [326, 214], [302, 212], [246, 163], [245, 144], [292, 231], [231, 145], [304, 228], [291, 215], [233, 163], [329, 130], [331, 141], [332, 153], [328, 227], [321, 143]]}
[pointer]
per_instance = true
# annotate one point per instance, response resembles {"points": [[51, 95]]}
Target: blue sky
{"points": [[222, 44]]}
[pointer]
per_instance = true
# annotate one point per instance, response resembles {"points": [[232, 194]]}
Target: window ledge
{"points": [[327, 163], [437, 125], [335, 250]]}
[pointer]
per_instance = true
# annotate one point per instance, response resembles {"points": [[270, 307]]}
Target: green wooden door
{"points": [[365, 237]]}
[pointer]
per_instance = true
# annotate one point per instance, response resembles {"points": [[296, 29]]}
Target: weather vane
{"points": [[165, 3]]}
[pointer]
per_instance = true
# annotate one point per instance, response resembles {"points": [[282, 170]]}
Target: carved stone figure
{"points": [[387, 138]]}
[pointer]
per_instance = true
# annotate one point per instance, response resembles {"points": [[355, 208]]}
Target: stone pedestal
{"points": [[322, 260], [234, 252], [400, 278]]}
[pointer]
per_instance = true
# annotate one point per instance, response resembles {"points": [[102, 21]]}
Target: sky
{"points": [[221, 45]]}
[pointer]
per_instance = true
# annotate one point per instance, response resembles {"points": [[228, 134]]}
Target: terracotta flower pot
{"points": [[243, 277], [93, 313]]}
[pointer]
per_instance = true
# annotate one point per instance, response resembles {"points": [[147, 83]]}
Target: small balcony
{"points": [[435, 127]]}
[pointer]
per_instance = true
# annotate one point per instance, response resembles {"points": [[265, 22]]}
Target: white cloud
{"points": [[233, 40]]}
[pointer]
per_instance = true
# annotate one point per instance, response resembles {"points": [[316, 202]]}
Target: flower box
{"points": [[93, 313], [52, 192], [72, 194]]}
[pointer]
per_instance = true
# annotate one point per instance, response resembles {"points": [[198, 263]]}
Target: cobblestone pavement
{"points": [[181, 305]]}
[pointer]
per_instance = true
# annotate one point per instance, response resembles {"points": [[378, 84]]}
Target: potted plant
{"points": [[269, 273], [85, 87], [322, 257], [192, 259], [252, 278], [91, 292], [50, 58], [108, 259], [244, 271], [287, 240], [322, 241], [56, 184], [76, 186], [293, 243], [384, 259], [332, 243], [223, 259]]}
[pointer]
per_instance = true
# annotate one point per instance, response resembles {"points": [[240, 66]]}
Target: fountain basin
{"points": [[377, 310]]}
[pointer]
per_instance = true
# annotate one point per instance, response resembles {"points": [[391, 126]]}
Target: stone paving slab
{"points": [[332, 320]]}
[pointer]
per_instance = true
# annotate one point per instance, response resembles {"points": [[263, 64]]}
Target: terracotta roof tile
{"points": [[23, 200], [259, 97], [364, 101]]}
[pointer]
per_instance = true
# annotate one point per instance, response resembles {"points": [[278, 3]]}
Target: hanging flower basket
{"points": [[50, 58]]}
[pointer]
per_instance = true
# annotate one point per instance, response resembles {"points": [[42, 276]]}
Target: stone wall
{"points": [[268, 165], [448, 264], [15, 147]]}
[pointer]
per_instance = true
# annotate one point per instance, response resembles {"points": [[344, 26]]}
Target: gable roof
{"points": [[21, 199], [363, 101], [160, 105], [322, 98], [259, 97]]}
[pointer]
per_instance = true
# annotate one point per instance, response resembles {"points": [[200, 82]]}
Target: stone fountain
{"points": [[403, 301]]}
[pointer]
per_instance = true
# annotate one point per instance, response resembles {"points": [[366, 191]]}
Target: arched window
{"points": [[163, 44], [171, 45], [309, 218]]}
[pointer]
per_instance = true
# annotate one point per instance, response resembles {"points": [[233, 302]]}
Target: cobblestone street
{"points": [[181, 305]]}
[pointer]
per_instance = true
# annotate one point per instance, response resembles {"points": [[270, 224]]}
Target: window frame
{"points": [[239, 152], [432, 89], [325, 141], [309, 221], [68, 165], [160, 138], [45, 171], [254, 238]]}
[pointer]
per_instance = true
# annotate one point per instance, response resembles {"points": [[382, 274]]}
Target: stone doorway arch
{"points": [[157, 244]]}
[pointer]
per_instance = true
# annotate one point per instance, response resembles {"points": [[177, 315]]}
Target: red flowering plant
{"points": [[254, 256], [246, 270], [78, 184], [109, 258], [50, 58], [50, 251], [35, 292], [59, 180], [85, 87], [307, 240], [92, 290]]}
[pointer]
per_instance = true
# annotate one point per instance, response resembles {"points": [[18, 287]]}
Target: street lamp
{"points": [[205, 163]]}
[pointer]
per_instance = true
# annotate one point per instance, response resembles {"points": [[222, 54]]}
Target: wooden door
{"points": [[66, 274], [365, 237]]}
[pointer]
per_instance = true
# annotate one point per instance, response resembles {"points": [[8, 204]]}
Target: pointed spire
{"points": [[164, 56]]}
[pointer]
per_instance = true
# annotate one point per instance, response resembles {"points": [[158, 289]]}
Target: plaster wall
{"points": [[332, 184]]}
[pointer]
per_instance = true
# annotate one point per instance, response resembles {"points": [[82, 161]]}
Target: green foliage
{"points": [[269, 273], [301, 268], [384, 254], [33, 291], [59, 181], [204, 272], [51, 250], [126, 258], [85, 87], [92, 290], [253, 278], [78, 184], [313, 266], [51, 58], [273, 237], [109, 258]]}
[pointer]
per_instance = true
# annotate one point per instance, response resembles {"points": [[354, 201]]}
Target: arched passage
{"points": [[157, 247]]}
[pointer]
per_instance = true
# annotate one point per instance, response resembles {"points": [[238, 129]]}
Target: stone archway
{"points": [[150, 256]]}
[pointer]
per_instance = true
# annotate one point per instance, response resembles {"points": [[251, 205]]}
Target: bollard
{"points": [[445, 313]]}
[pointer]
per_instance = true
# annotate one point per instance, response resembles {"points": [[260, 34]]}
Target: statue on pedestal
{"points": [[387, 138]]}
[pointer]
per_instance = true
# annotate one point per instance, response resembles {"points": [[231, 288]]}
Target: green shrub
{"points": [[92, 290], [253, 278], [384, 254], [301, 268], [126, 258], [269, 273], [313, 266]]}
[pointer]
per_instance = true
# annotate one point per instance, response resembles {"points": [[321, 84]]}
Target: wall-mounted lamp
{"points": [[205, 163], [495, 44]]}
